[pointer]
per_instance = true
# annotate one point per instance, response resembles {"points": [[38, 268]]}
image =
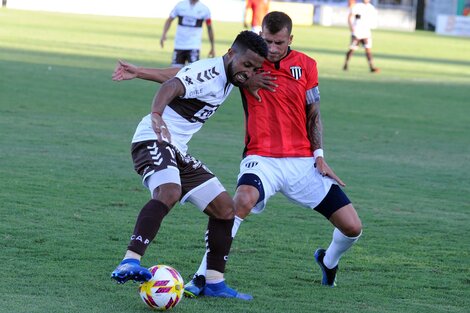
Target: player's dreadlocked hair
{"points": [[249, 40], [276, 21]]}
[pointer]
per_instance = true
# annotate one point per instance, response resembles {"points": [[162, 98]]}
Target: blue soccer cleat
{"points": [[329, 275], [221, 290], [130, 269], [195, 287]]}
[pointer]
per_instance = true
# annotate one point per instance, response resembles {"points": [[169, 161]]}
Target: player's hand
{"points": [[211, 53], [124, 71], [160, 128], [262, 80], [325, 170], [162, 41]]}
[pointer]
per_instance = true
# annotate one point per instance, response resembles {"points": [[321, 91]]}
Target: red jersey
{"points": [[277, 126]]}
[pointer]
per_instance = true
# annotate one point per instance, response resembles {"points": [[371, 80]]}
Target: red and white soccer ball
{"points": [[164, 290]]}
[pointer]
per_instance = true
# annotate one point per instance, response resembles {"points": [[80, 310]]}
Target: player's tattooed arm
{"points": [[314, 126], [315, 135]]}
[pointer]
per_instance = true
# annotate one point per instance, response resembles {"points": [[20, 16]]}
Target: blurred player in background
{"points": [[362, 17], [258, 8], [159, 152], [191, 15]]}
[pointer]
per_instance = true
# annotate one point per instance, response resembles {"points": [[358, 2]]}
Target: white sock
{"points": [[214, 277], [236, 225], [338, 246], [203, 266]]}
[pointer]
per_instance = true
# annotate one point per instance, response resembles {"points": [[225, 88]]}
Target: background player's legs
{"points": [[348, 57], [370, 60], [352, 47]]}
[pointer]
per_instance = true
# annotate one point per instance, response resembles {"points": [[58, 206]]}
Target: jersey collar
{"points": [[277, 64]]}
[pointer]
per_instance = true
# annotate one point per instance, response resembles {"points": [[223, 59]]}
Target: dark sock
{"points": [[147, 225], [219, 240]]}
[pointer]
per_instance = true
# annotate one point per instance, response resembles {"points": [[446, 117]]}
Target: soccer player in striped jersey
{"points": [[361, 19], [159, 151], [191, 15]]}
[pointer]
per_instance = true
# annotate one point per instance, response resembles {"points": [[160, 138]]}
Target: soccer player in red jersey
{"points": [[283, 148]]}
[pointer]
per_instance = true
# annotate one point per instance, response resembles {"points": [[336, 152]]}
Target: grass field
{"points": [[69, 195]]}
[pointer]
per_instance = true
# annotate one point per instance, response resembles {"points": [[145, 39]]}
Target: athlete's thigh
{"points": [[156, 161], [199, 185], [367, 43], [221, 207], [303, 184], [267, 171], [354, 43]]}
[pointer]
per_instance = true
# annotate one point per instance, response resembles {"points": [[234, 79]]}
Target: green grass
{"points": [[69, 195]]}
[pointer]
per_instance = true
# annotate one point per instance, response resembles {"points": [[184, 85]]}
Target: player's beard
{"points": [[231, 76]]}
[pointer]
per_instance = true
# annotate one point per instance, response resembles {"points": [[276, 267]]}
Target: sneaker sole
{"points": [[189, 294]]}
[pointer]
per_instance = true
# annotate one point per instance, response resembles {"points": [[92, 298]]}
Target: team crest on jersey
{"points": [[296, 72]]}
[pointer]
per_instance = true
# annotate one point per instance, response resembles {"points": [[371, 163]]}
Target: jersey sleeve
{"points": [[312, 72], [174, 12], [207, 13]]}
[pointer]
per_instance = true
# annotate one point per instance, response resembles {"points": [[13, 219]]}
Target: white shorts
{"points": [[295, 178], [200, 196], [365, 42]]}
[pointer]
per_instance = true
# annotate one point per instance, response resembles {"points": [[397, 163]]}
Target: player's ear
{"points": [[230, 52], [290, 39]]}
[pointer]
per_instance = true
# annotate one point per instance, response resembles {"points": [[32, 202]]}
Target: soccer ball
{"points": [[164, 290]]}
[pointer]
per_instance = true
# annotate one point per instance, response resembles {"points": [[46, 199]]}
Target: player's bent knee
{"points": [[353, 230], [245, 200], [168, 194], [221, 207], [347, 221]]}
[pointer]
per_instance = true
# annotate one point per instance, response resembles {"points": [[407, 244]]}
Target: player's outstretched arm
{"points": [[128, 71]]}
